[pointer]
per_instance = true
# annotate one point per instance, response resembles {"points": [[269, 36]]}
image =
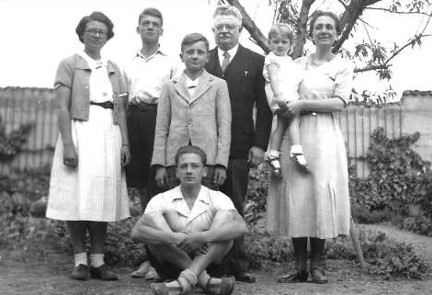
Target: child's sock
{"points": [[297, 152], [273, 154], [96, 260], [80, 258], [296, 149]]}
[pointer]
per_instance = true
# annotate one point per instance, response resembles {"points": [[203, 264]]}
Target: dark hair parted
{"points": [[95, 16], [191, 149], [320, 13], [152, 12], [193, 38]]}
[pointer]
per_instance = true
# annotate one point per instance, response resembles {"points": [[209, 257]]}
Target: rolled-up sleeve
{"points": [[344, 82]]}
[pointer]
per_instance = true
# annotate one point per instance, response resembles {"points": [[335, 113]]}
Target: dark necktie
{"points": [[225, 61]]}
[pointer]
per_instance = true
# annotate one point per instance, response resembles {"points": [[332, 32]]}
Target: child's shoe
{"points": [[273, 160], [299, 158]]}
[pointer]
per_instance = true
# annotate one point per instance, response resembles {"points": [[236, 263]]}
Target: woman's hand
{"points": [[70, 157], [294, 107], [125, 155]]}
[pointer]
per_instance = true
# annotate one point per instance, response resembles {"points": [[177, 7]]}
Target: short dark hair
{"points": [[319, 13], [95, 16], [152, 12], [193, 38], [191, 149]]}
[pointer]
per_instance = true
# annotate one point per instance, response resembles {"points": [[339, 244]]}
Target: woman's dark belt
{"points": [[308, 113], [105, 104]]}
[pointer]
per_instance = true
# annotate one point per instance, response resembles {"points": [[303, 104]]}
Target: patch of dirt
{"points": [[42, 268]]}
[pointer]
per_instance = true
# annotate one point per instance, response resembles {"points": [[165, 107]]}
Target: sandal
{"points": [[163, 289], [226, 286], [297, 276], [301, 163], [275, 165]]}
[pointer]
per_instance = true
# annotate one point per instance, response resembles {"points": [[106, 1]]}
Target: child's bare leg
{"points": [[296, 148], [275, 144]]}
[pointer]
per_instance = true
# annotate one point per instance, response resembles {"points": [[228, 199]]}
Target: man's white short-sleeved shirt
{"points": [[178, 215], [146, 76]]}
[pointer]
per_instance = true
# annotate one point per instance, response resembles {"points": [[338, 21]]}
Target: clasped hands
{"points": [[191, 243]]}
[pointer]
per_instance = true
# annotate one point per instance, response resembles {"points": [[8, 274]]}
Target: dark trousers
{"points": [[141, 121], [235, 187]]}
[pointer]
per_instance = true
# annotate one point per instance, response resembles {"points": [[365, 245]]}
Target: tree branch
{"points": [[251, 27], [349, 18], [301, 28], [397, 12], [386, 64]]}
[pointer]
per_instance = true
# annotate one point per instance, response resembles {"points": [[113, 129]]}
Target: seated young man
{"points": [[190, 229]]}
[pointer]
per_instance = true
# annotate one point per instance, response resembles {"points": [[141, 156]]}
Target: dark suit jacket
{"points": [[246, 90]]}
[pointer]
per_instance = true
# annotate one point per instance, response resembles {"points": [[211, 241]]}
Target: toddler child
{"points": [[283, 77]]}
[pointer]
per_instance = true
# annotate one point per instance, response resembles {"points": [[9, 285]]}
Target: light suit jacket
{"points": [[203, 120]]}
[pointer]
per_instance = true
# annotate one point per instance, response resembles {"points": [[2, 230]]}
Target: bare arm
{"points": [[152, 228], [275, 81], [329, 105], [227, 225], [63, 101]]}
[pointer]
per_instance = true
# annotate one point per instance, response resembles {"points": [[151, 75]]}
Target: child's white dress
{"points": [[288, 76]]}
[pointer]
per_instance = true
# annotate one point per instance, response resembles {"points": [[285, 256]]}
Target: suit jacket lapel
{"points": [[204, 83], [213, 65], [239, 61], [180, 87]]}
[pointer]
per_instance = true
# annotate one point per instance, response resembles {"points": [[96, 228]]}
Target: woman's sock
{"points": [[80, 258], [96, 260]]}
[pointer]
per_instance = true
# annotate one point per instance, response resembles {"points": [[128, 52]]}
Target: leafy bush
{"points": [[255, 205], [398, 179], [11, 144], [265, 247], [386, 257], [119, 247]]}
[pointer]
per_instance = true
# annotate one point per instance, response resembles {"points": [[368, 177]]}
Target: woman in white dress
{"points": [[315, 206], [88, 187]]}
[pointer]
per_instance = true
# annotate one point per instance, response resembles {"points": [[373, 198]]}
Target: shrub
{"points": [[255, 205], [119, 247], [398, 179]]}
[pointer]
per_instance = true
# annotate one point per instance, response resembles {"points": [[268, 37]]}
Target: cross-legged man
{"points": [[190, 230]]}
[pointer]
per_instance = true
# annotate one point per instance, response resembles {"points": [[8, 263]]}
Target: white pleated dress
{"points": [[95, 190], [315, 204]]}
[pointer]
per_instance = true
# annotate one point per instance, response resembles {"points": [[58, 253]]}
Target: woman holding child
{"points": [[314, 205]]}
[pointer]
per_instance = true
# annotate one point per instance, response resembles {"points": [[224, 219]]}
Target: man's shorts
{"points": [[169, 271]]}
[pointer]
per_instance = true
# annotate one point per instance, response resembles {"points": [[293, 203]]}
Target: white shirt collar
{"points": [[158, 51], [203, 195], [232, 52], [93, 64]]}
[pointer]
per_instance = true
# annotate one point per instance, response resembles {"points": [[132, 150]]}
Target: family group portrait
{"points": [[218, 147]]}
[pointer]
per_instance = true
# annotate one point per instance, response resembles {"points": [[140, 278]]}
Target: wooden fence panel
{"points": [[357, 121]]}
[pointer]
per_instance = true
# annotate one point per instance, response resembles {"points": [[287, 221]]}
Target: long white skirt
{"points": [[95, 190]]}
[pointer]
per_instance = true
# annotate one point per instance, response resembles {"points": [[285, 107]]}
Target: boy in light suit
{"points": [[194, 109]]}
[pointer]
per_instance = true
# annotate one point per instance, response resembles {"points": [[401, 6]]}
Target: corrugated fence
{"points": [[358, 121]]}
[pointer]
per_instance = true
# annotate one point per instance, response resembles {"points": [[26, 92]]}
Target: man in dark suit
{"points": [[242, 69]]}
